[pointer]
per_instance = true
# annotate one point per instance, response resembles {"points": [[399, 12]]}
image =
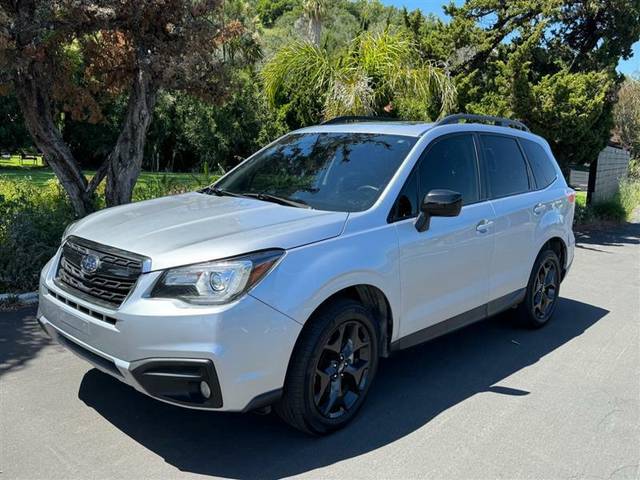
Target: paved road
{"points": [[490, 401]]}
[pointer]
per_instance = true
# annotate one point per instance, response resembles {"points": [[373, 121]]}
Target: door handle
{"points": [[538, 209], [483, 226]]}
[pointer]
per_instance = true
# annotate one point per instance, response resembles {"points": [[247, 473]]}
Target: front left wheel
{"points": [[331, 369]]}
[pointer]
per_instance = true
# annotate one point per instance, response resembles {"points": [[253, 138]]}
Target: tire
{"points": [[323, 390], [543, 290]]}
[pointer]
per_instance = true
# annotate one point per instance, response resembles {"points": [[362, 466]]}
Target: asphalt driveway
{"points": [[489, 401]]}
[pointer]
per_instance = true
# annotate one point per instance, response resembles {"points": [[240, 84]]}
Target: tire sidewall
{"points": [[528, 303], [315, 420]]}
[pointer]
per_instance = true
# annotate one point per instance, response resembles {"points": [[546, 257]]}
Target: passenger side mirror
{"points": [[438, 203]]}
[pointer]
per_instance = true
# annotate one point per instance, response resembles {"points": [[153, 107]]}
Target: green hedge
{"points": [[32, 220]]}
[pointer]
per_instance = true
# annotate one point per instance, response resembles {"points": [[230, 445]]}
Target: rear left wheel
{"points": [[543, 290]]}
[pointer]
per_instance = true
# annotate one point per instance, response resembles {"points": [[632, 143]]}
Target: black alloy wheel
{"points": [[543, 290], [332, 368], [342, 371]]}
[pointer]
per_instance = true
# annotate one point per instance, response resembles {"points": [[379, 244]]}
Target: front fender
{"points": [[308, 275]]}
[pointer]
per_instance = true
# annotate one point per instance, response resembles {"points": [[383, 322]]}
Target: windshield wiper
{"points": [[267, 197], [220, 192]]}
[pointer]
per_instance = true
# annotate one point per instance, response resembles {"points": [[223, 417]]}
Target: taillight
{"points": [[571, 196]]}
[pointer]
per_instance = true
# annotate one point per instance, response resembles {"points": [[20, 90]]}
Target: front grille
{"points": [[85, 310], [109, 283]]}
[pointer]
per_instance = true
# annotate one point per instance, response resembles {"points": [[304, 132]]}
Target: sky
{"points": [[631, 66]]}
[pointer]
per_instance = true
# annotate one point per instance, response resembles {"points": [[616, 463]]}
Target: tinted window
{"points": [[505, 165], [451, 164], [328, 171], [407, 204], [542, 166]]}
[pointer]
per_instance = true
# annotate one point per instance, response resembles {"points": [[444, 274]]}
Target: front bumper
{"points": [[166, 348]]}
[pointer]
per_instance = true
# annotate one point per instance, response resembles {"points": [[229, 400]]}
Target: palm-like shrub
{"points": [[376, 73]]}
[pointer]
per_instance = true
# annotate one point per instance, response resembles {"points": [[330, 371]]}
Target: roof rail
{"points": [[499, 121], [356, 119]]}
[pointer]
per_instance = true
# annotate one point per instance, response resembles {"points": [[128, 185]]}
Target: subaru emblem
{"points": [[90, 263]]}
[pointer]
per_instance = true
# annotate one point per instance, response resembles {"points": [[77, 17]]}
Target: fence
{"points": [[606, 173], [602, 178], [579, 178]]}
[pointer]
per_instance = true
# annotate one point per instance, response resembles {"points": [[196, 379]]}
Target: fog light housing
{"points": [[205, 390]]}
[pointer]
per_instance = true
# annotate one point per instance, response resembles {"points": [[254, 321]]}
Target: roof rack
{"points": [[356, 119], [499, 121]]}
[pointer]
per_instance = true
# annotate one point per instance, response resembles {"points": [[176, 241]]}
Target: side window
{"points": [[505, 166], [542, 166], [407, 203], [451, 164]]}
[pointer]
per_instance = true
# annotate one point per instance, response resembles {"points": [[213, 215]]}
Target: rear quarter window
{"points": [[505, 165], [543, 168]]}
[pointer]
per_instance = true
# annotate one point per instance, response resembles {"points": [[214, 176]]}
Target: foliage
{"points": [[377, 73], [71, 56], [32, 220], [629, 195], [618, 209], [187, 133], [550, 63], [13, 134], [609, 211], [627, 115], [270, 10], [572, 111], [634, 169]]}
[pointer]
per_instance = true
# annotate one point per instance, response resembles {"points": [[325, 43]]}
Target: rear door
{"points": [[510, 187], [444, 271]]}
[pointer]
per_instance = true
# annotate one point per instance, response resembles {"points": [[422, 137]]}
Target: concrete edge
{"points": [[27, 298]]}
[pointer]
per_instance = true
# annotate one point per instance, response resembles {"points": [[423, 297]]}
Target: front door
{"points": [[444, 271]]}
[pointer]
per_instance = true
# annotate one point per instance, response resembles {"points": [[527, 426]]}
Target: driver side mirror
{"points": [[438, 203]]}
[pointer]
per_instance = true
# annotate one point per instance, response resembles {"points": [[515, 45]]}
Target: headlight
{"points": [[213, 283]]}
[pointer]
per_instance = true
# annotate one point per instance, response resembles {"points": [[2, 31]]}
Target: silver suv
{"points": [[287, 280]]}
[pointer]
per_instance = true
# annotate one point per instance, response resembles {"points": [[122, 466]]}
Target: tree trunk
{"points": [[315, 30], [125, 160], [32, 93]]}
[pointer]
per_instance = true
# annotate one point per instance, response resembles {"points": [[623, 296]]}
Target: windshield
{"points": [[326, 171]]}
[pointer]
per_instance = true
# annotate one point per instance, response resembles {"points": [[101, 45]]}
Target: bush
{"points": [[32, 220], [610, 211], [630, 196], [634, 169], [619, 209]]}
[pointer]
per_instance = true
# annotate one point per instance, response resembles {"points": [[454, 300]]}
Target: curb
{"points": [[23, 298]]}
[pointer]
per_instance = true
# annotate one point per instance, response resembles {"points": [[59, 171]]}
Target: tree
{"points": [[270, 10], [315, 11], [377, 73], [550, 63], [58, 56], [627, 115], [580, 34]]}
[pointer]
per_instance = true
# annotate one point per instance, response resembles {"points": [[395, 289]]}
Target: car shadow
{"points": [[612, 236], [411, 388], [21, 338]]}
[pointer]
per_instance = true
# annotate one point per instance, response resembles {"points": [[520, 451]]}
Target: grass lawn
{"points": [[13, 169], [581, 198]]}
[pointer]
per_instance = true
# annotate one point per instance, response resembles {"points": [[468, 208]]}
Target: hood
{"points": [[194, 227]]}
